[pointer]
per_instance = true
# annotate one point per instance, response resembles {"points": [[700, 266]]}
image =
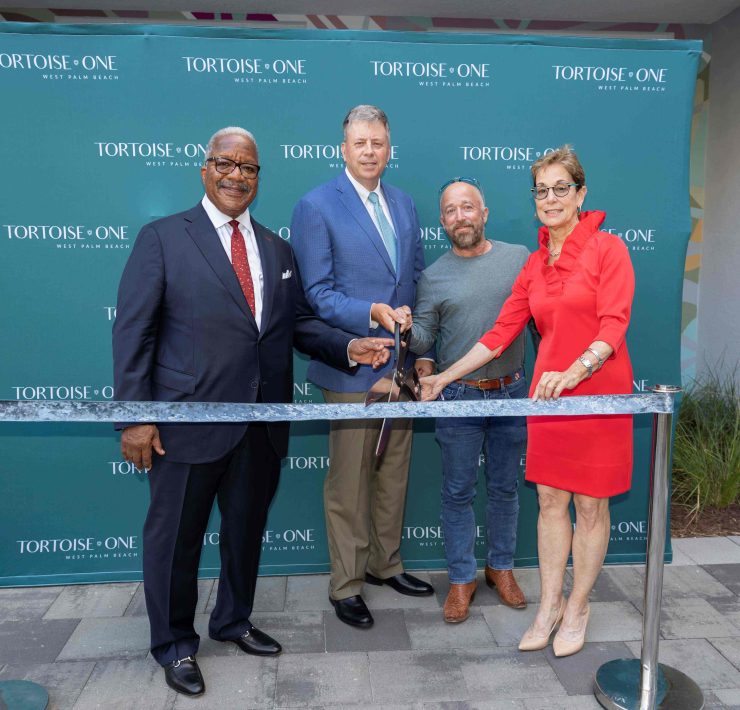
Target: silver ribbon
{"points": [[221, 412]]}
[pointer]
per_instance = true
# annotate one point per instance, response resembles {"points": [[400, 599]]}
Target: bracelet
{"points": [[587, 364], [598, 357]]}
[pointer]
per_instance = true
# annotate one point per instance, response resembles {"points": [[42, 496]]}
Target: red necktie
{"points": [[241, 264]]}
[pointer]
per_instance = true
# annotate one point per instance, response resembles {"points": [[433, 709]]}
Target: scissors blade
{"points": [[380, 391], [391, 387]]}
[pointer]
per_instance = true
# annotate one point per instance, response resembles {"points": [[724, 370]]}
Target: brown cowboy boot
{"points": [[508, 589], [457, 602]]}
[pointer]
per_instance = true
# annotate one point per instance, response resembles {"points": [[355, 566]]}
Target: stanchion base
{"points": [[617, 687], [22, 695]]}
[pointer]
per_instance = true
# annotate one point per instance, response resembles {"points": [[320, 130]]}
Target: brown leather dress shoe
{"points": [[508, 589], [457, 604]]}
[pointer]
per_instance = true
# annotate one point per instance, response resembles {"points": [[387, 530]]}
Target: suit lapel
{"points": [[270, 266], [351, 201], [204, 235]]}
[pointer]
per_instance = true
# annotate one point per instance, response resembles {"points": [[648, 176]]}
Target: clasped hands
{"points": [[387, 316], [374, 351]]}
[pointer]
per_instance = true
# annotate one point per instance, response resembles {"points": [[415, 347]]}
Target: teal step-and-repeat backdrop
{"points": [[104, 129]]}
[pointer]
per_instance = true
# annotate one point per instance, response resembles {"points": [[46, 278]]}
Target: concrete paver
{"points": [[387, 634], [236, 682], [729, 609], [318, 679], [125, 684], [699, 660], [26, 602], [416, 676], [92, 600], [729, 648], [35, 641], [576, 672], [93, 639], [297, 633], [728, 575], [88, 644], [308, 593], [691, 618], [614, 621], [63, 681], [508, 673], [426, 631], [710, 550], [730, 698], [578, 702]]}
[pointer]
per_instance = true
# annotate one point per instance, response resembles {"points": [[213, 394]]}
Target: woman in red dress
{"points": [[578, 287]]}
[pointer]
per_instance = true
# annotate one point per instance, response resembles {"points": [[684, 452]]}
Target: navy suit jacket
{"points": [[346, 267], [184, 332]]}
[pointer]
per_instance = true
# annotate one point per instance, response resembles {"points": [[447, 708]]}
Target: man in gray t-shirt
{"points": [[458, 299]]}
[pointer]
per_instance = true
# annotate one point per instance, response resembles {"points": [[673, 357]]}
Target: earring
{"points": [[578, 209]]}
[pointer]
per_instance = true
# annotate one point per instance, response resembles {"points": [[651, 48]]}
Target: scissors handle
{"points": [[397, 337]]}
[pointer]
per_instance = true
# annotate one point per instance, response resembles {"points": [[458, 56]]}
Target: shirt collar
{"points": [[362, 191], [219, 219]]}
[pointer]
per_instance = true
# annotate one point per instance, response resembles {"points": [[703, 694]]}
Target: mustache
{"points": [[464, 223], [225, 182]]}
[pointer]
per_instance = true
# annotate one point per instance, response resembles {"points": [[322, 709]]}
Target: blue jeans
{"points": [[503, 442]]}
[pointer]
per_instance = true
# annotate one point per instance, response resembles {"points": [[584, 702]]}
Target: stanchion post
{"points": [[629, 684], [658, 507]]}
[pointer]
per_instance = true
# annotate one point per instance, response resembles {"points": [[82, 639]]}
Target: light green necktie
{"points": [[386, 229]]}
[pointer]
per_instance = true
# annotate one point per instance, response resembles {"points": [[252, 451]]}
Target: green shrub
{"points": [[706, 451]]}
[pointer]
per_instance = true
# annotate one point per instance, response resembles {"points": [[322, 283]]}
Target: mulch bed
{"points": [[709, 523]]}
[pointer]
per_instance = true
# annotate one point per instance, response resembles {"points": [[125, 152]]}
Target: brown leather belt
{"points": [[495, 384]]}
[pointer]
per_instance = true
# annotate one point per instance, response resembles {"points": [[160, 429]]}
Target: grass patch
{"points": [[706, 450]]}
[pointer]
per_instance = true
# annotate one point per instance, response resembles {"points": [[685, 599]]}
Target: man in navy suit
{"points": [[209, 307], [358, 244]]}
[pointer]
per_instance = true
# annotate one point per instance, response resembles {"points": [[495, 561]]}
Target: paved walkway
{"points": [[88, 644]]}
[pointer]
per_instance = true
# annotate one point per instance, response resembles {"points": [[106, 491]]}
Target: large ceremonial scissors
{"points": [[398, 385]]}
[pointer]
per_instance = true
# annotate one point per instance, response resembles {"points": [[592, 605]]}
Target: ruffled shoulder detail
{"points": [[556, 275]]}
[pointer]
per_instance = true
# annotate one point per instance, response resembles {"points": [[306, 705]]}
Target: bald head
{"points": [[463, 214]]}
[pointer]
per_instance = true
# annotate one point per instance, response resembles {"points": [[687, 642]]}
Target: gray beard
{"points": [[469, 240]]}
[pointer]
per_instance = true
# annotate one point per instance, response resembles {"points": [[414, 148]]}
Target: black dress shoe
{"points": [[258, 643], [404, 584], [353, 611], [185, 677]]}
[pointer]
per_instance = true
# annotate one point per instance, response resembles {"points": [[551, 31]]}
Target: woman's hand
{"points": [[551, 384], [431, 387]]}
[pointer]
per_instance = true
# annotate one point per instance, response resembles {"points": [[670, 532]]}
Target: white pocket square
{"points": [[287, 274]]}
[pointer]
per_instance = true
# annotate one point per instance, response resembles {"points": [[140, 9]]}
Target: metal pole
{"points": [[658, 507], [629, 684]]}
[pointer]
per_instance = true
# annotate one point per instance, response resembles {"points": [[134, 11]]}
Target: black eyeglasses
{"points": [[560, 189], [225, 166], [468, 180]]}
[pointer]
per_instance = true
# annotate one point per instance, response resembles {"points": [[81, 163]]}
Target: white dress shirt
{"points": [[221, 224]]}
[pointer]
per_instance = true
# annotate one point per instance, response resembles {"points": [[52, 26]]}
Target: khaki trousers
{"points": [[364, 498]]}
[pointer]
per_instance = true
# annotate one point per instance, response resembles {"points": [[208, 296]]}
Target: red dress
{"points": [[585, 295]]}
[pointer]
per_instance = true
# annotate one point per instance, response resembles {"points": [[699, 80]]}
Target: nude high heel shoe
{"points": [[565, 647], [534, 642]]}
